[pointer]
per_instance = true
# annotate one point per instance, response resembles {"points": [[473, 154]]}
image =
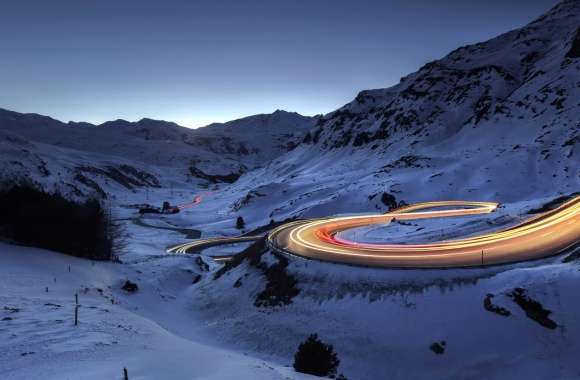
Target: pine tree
{"points": [[240, 223], [316, 358]]}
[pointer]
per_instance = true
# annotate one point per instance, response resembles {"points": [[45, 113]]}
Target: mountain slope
{"points": [[496, 120], [76, 157]]}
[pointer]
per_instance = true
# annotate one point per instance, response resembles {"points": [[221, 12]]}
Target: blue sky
{"points": [[196, 62]]}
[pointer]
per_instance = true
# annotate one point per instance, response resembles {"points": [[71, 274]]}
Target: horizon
{"points": [[176, 71]]}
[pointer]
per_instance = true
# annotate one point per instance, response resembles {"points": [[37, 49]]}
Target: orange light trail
{"points": [[541, 236]]}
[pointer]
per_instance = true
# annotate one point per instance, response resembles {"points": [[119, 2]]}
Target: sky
{"points": [[196, 61]]}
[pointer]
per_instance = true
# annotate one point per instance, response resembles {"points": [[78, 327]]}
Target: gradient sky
{"points": [[195, 62]]}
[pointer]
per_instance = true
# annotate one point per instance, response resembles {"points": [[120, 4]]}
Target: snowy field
{"points": [[381, 322], [115, 330]]}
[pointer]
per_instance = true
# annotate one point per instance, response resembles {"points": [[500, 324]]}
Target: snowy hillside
{"points": [[455, 127], [81, 158], [499, 120], [40, 340]]}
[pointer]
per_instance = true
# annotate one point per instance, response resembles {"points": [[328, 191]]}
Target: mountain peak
{"points": [[564, 8], [144, 122], [154, 122], [115, 123], [283, 112]]}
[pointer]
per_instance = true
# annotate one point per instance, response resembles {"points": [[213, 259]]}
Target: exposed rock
{"points": [[489, 306], [574, 51], [125, 175], [216, 178], [202, 265], [534, 310], [389, 200], [280, 287], [553, 204], [130, 287], [438, 347]]}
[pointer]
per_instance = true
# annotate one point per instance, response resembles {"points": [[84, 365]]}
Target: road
{"points": [[537, 237], [188, 232], [540, 236], [199, 245]]}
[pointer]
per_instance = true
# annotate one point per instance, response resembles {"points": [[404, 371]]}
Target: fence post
{"points": [[76, 309]]}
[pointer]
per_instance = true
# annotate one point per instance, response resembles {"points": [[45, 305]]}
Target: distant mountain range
{"points": [[78, 158]]}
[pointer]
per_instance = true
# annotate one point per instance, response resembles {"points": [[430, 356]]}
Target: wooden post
{"points": [[76, 309], [125, 374]]}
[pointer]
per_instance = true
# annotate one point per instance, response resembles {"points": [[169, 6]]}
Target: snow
{"points": [[381, 322], [496, 121], [41, 341], [437, 229]]}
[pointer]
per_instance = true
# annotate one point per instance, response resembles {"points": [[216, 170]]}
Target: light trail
{"points": [[201, 244], [541, 236], [196, 200]]}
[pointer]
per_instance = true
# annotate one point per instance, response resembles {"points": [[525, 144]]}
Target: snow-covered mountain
{"points": [[80, 158], [498, 120]]}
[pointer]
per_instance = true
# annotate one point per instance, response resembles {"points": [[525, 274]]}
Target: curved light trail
{"points": [[199, 245], [541, 236]]}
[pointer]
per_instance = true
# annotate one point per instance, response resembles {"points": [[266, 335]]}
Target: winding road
{"points": [[541, 236], [199, 245]]}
